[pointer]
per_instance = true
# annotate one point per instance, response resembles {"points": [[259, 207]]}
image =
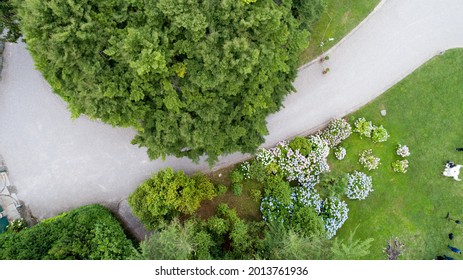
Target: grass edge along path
{"points": [[409, 206], [423, 112], [339, 19]]}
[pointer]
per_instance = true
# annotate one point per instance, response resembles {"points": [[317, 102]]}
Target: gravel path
{"points": [[57, 163]]}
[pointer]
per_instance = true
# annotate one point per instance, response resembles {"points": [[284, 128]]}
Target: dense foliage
{"points": [[223, 236], [192, 77], [89, 232], [290, 174], [168, 194], [8, 22]]}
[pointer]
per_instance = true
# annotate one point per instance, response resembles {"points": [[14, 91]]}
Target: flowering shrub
{"points": [[274, 210], [335, 214], [403, 151], [265, 157], [400, 166], [363, 127], [368, 160], [337, 130], [245, 168], [340, 153], [17, 225], [379, 134], [359, 185], [307, 197]]}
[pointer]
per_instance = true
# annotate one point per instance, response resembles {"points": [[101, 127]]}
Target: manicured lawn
{"points": [[424, 111], [339, 18]]}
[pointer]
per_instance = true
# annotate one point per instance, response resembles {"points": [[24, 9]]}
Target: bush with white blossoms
{"points": [[340, 153], [337, 130], [335, 213], [245, 167], [265, 157], [359, 185], [403, 151], [368, 160], [379, 134], [400, 166], [363, 127]]}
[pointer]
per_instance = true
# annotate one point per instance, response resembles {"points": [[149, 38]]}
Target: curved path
{"points": [[58, 164]]}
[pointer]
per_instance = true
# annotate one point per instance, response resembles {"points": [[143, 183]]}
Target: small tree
{"points": [[167, 194], [351, 249]]}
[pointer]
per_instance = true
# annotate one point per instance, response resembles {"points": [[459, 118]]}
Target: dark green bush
{"points": [[88, 232], [237, 189]]}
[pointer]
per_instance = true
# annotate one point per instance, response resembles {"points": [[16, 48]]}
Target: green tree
{"points": [[168, 194], [174, 242], [283, 244], [9, 24], [351, 249], [193, 77], [88, 232]]}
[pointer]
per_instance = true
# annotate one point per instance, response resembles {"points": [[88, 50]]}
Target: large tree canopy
{"points": [[193, 77]]}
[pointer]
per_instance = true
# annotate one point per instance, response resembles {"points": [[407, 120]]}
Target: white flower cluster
{"points": [[294, 165], [337, 130], [403, 151], [359, 185], [245, 167], [308, 197], [400, 166], [368, 160], [340, 153], [336, 212], [265, 157]]}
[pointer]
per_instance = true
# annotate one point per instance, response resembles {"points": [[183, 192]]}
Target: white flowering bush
{"points": [[379, 134], [340, 153], [273, 210], [359, 185], [335, 213], [245, 168], [403, 150], [363, 127], [368, 160], [265, 157], [400, 166], [308, 197], [337, 130]]}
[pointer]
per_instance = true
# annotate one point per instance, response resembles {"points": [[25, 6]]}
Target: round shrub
{"points": [[363, 127], [168, 194], [237, 189], [335, 213], [359, 185], [379, 134], [368, 160], [337, 130], [403, 150], [221, 189], [400, 166], [340, 153]]}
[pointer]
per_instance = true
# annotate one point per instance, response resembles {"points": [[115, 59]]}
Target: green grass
{"points": [[339, 18], [423, 112]]}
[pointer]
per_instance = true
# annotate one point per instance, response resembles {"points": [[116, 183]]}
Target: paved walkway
{"points": [[58, 164]]}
